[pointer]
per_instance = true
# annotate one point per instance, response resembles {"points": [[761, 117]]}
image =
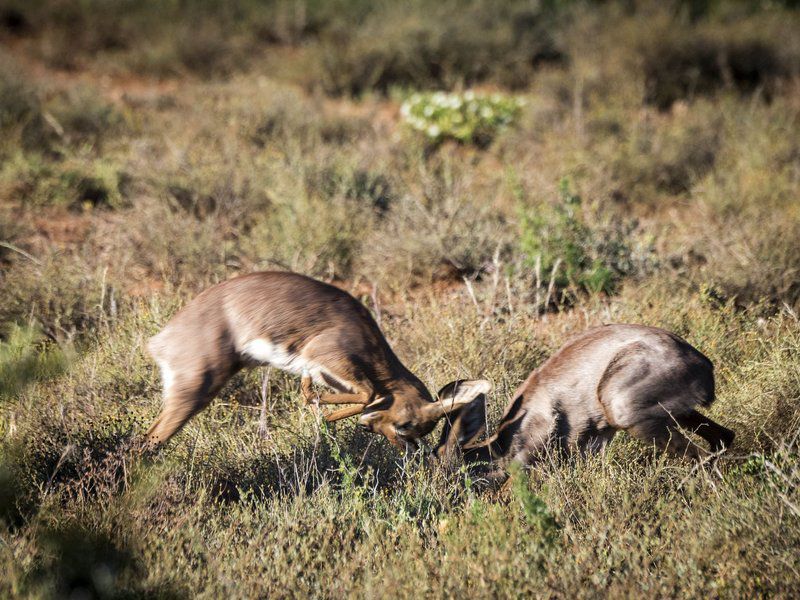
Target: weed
{"points": [[559, 242]]}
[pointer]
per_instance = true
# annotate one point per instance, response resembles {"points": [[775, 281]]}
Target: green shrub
{"points": [[562, 244], [467, 117], [78, 183]]}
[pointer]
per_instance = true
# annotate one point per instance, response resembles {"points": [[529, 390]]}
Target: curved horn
{"points": [[343, 413], [455, 395]]}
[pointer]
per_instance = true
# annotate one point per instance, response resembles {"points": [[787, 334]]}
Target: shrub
{"points": [[315, 235], [687, 62], [434, 231], [11, 228], [759, 261], [291, 119], [59, 296], [18, 101], [370, 188], [467, 117], [560, 241], [205, 50], [82, 117], [424, 46], [669, 158], [80, 183]]}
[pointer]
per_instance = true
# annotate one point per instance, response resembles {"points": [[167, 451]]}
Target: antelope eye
{"points": [[404, 427]]}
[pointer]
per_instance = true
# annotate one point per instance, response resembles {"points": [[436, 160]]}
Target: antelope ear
{"points": [[455, 395], [462, 427]]}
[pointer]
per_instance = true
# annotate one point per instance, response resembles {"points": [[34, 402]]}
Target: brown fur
{"points": [[644, 380], [293, 322]]}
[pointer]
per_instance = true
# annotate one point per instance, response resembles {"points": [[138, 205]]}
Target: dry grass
{"points": [[123, 194]]}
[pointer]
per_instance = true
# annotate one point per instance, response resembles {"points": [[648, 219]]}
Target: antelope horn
{"points": [[344, 399], [343, 413]]}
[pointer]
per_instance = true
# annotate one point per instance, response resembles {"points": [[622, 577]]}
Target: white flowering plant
{"points": [[467, 117]]}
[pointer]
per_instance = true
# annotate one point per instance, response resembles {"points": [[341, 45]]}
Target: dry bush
{"points": [[758, 260], [682, 63], [164, 247], [457, 43], [291, 119], [56, 293], [659, 157], [310, 233], [443, 227], [18, 101], [52, 146]]}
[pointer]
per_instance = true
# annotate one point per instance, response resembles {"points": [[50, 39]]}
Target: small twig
{"points": [[112, 303], [102, 302], [53, 122], [262, 420], [14, 248], [495, 281], [471, 291], [376, 304], [508, 295], [552, 283], [366, 450]]}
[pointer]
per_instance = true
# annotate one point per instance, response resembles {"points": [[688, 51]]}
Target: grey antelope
{"points": [[643, 380], [305, 327]]}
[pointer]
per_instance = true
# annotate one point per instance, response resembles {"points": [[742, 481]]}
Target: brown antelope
{"points": [[302, 326], [643, 380]]}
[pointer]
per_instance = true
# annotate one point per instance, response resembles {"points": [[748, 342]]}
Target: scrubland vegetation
{"points": [[648, 172]]}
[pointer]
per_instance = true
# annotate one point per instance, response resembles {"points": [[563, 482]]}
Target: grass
{"points": [[150, 163]]}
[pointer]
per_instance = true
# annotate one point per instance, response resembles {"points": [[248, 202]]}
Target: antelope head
{"points": [[407, 413]]}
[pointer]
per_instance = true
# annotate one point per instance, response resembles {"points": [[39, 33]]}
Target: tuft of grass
{"points": [[24, 359]]}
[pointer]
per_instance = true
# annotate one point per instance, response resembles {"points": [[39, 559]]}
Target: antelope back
{"points": [[613, 377], [287, 320], [617, 375]]}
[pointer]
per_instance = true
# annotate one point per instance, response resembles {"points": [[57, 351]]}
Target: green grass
{"points": [[152, 162]]}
